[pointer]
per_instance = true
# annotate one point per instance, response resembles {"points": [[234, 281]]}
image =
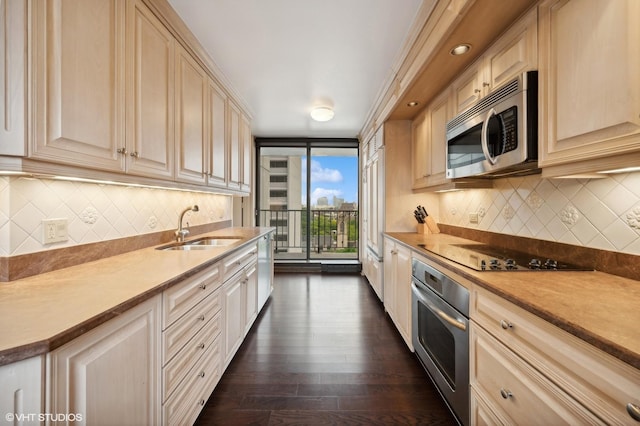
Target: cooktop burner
{"points": [[482, 257]]}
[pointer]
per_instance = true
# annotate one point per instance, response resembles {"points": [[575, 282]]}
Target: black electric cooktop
{"points": [[482, 257]]}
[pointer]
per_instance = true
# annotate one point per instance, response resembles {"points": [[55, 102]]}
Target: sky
{"points": [[331, 176]]}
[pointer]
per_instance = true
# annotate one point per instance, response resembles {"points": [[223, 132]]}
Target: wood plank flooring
{"points": [[323, 352]]}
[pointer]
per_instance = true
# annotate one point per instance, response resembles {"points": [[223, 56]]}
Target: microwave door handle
{"points": [[483, 139]]}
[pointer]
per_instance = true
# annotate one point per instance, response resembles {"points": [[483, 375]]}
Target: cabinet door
{"points": [[22, 385], [247, 143], [233, 309], [403, 293], [389, 272], [112, 373], [589, 85], [191, 131], [251, 296], [78, 58], [515, 52], [374, 198], [217, 147], [420, 147], [468, 88], [150, 120], [13, 42], [235, 156]]}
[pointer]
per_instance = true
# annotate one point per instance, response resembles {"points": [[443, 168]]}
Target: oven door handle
{"points": [[483, 139], [439, 312]]}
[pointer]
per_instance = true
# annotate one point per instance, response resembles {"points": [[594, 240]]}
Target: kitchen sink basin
{"points": [[202, 243], [214, 241]]}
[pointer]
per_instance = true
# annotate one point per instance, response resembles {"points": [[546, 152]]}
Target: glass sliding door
{"points": [[310, 195], [333, 203]]}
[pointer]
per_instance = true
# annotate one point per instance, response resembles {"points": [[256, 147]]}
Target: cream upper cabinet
{"points": [[235, 155], [78, 82], [13, 42], [428, 142], [247, 144], [191, 110], [514, 52], [150, 92], [589, 85], [217, 149]]}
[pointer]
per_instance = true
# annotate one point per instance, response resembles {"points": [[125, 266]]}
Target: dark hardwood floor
{"points": [[323, 352]]}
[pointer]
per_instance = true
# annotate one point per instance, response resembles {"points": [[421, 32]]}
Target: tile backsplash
{"points": [[95, 212], [596, 213]]}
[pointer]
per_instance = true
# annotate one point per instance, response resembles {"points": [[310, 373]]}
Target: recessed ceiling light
{"points": [[460, 49], [322, 113], [412, 103]]}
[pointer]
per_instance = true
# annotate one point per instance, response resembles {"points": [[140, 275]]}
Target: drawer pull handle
{"points": [[634, 411], [201, 317], [506, 394], [201, 346], [201, 374], [203, 286], [505, 324], [238, 263], [202, 401]]}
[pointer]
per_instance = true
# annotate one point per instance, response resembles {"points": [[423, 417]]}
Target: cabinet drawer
{"points": [[178, 299], [187, 358], [236, 261], [185, 404], [602, 383], [516, 391], [176, 336]]}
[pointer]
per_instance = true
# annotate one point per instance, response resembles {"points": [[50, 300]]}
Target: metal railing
{"points": [[333, 233]]}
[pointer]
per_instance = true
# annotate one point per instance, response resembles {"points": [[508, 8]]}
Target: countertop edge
{"points": [[42, 347]]}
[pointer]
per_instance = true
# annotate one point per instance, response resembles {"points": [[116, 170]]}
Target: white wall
{"points": [[596, 213], [95, 212]]}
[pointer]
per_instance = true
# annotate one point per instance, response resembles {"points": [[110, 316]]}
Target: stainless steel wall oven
{"points": [[440, 320]]}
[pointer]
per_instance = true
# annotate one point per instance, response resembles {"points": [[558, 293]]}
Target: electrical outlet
{"points": [[473, 217], [54, 231]]}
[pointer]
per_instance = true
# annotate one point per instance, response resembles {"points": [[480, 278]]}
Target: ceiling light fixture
{"points": [[460, 49], [322, 113]]}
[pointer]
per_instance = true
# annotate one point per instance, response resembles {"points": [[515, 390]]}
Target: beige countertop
{"points": [[42, 312], [599, 308]]}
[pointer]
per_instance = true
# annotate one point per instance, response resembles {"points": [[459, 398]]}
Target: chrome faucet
{"points": [[181, 233]]}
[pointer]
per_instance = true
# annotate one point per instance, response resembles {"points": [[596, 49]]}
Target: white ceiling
{"points": [[285, 56]]}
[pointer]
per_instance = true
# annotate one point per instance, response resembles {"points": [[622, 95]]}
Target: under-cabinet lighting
{"points": [[623, 170]]}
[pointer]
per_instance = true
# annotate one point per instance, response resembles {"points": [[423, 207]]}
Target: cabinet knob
{"points": [[201, 317], [201, 346], [122, 151], [505, 393], [634, 411], [477, 91], [203, 286], [505, 324], [485, 84], [201, 374], [202, 401], [134, 154]]}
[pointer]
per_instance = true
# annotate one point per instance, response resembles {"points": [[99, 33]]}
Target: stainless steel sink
{"points": [[202, 243], [214, 241]]}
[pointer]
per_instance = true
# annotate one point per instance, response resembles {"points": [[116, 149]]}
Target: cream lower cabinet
{"points": [[525, 370], [397, 287], [589, 87], [22, 395], [111, 374], [240, 299], [191, 345], [373, 268]]}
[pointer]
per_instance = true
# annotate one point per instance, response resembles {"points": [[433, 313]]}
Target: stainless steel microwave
{"points": [[498, 136]]}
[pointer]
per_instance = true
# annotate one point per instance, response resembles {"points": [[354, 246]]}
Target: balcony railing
{"points": [[333, 233]]}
